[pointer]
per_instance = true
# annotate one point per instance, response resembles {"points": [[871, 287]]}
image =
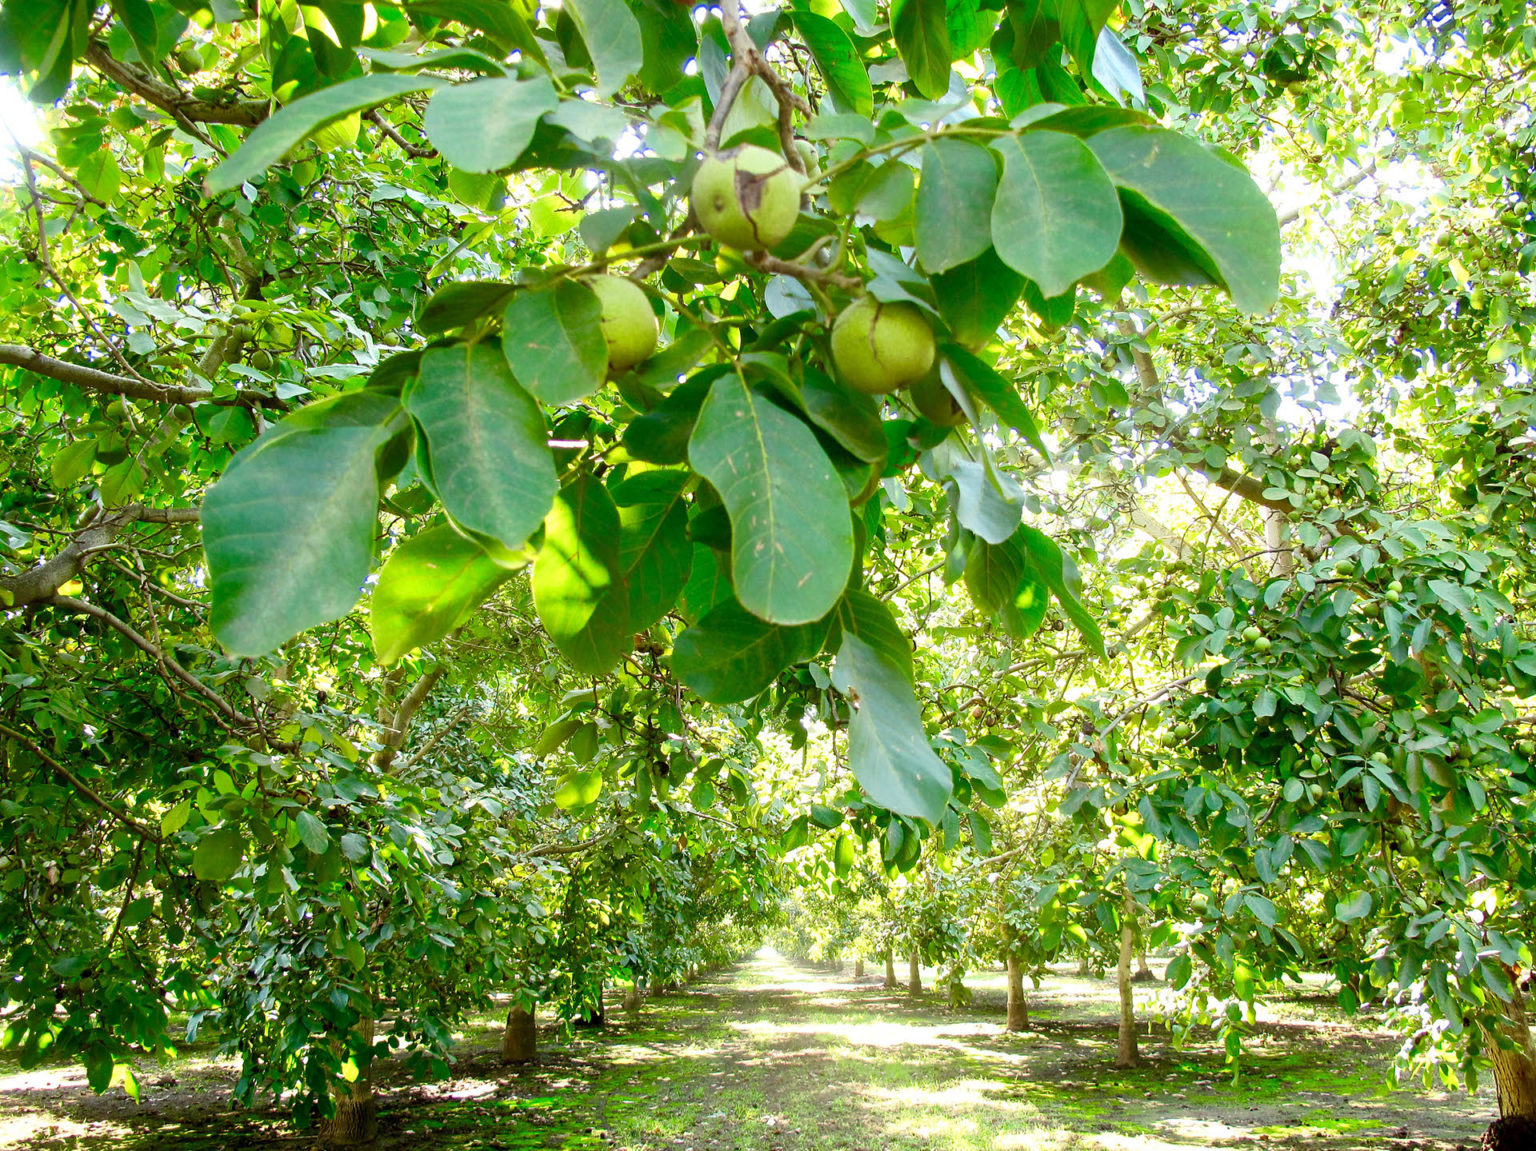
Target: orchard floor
{"points": [[775, 1056]]}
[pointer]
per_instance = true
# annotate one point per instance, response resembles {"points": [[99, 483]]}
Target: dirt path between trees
{"points": [[774, 1056]]}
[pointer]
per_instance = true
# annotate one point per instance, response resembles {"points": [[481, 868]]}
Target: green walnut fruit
{"points": [[1344, 569], [1263, 643], [1395, 585], [934, 401], [1251, 633], [261, 360], [748, 198], [629, 325], [881, 348]]}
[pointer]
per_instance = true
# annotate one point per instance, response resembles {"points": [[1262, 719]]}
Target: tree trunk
{"points": [[914, 975], [1514, 1067], [520, 1040], [1144, 974], [634, 998], [890, 970], [356, 1121], [1125, 1052], [858, 968], [1084, 967], [1018, 1007]]}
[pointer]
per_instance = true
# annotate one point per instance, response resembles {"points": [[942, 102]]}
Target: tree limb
{"points": [[75, 782], [112, 384], [155, 652], [41, 583], [245, 113], [400, 721]]}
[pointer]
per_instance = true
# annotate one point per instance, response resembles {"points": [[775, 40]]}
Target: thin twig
{"points": [[78, 785]]}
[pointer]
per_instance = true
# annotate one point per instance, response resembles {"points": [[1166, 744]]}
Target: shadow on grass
{"points": [[774, 1056]]}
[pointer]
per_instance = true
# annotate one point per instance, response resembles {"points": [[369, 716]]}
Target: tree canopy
{"points": [[501, 497]]}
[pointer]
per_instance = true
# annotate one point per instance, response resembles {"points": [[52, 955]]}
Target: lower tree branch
{"points": [[171, 100], [75, 782], [156, 653], [112, 384], [41, 583]]}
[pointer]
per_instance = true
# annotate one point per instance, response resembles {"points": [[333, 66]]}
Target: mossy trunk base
{"points": [[520, 1040], [1018, 1006], [356, 1121], [1512, 1133]]}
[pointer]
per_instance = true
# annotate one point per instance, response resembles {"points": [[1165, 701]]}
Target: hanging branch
{"points": [[746, 62], [75, 782], [173, 101], [41, 583], [135, 388]]}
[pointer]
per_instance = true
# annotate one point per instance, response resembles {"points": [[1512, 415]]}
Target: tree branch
{"points": [[75, 782], [111, 384], [41, 583], [156, 653], [400, 722], [245, 113]]}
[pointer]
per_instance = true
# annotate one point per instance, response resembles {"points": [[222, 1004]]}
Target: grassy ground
{"points": [[775, 1057]]}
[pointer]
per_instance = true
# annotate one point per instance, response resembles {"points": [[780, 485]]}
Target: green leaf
{"points": [[851, 418], [612, 36], [1179, 970], [839, 62], [654, 549], [139, 19], [1059, 574], [272, 139], [1191, 216], [1038, 25], [73, 463], [219, 854], [922, 39], [483, 126], [976, 297], [791, 532], [993, 573], [1056, 217], [1264, 910], [578, 582], [98, 1067], [288, 528], [661, 435], [1001, 395], [863, 615], [843, 854], [1357, 906], [578, 789], [954, 203], [490, 460], [465, 59], [553, 339], [732, 655], [980, 507], [888, 749], [175, 819], [504, 22], [454, 305], [312, 833], [708, 584], [427, 588]]}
